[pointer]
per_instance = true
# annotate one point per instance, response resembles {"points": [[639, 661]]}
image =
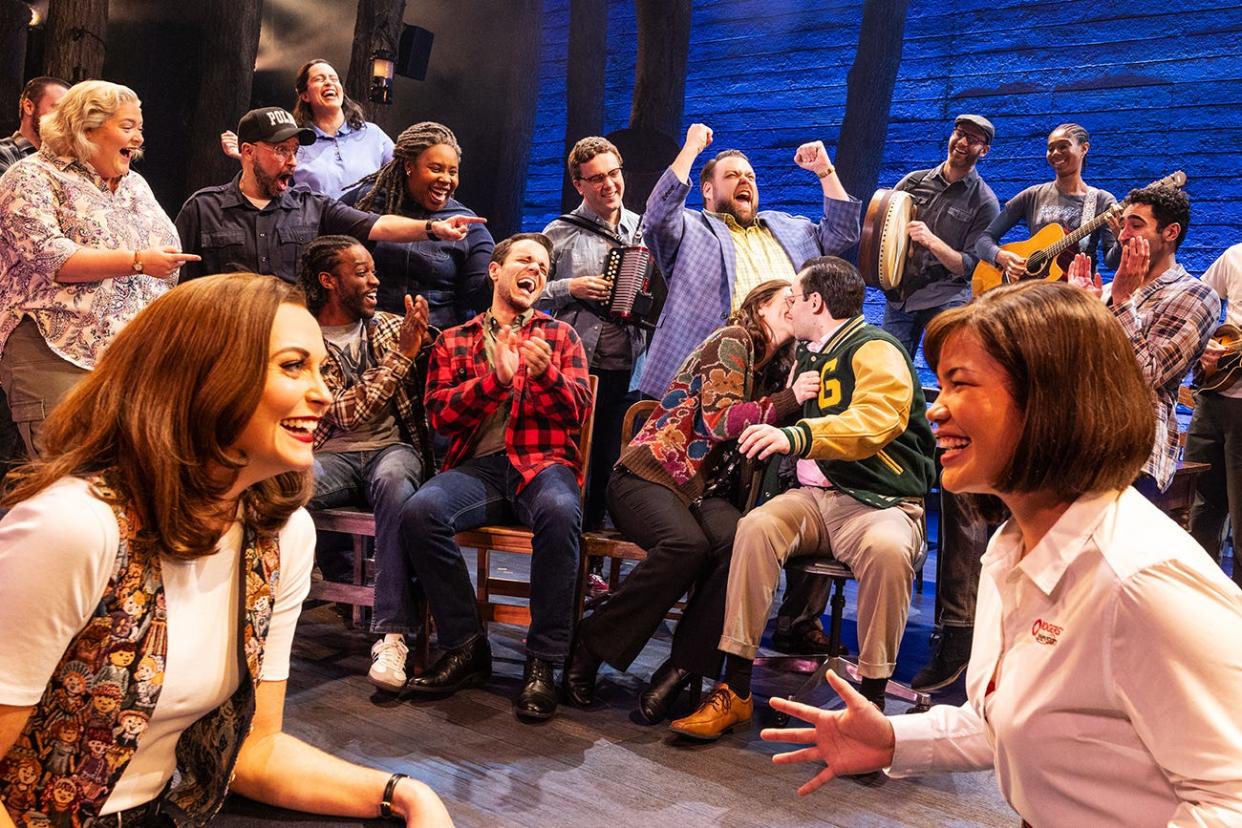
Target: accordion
{"points": [[636, 288]]}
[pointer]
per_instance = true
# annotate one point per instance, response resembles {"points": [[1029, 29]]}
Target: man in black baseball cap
{"points": [[259, 222], [953, 208], [272, 125]]}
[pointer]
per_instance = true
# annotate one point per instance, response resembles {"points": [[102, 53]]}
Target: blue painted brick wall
{"points": [[1158, 89]]}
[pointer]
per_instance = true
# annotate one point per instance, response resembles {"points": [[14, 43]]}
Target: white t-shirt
{"points": [[1225, 277], [1105, 677], [57, 551]]}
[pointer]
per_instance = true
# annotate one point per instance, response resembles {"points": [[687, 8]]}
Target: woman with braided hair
{"points": [[419, 183]]}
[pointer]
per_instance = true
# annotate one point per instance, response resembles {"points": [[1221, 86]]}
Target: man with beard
{"points": [[372, 448], [510, 390], [39, 97], [259, 222], [954, 207], [712, 258]]}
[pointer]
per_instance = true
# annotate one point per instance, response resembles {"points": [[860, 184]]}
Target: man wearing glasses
{"points": [[954, 206], [581, 240], [259, 222]]}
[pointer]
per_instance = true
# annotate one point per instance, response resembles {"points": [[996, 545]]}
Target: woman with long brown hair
{"points": [[164, 526], [672, 493], [1105, 678]]}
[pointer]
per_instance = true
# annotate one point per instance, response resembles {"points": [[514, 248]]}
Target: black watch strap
{"points": [[389, 790]]}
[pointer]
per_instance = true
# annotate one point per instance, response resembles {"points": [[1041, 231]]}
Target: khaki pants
{"points": [[35, 379], [879, 545]]}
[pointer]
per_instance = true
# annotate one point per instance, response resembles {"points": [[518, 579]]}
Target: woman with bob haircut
{"points": [[1105, 678], [84, 246], [674, 493], [164, 523]]}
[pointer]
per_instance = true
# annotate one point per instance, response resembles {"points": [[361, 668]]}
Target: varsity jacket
{"points": [[867, 430]]}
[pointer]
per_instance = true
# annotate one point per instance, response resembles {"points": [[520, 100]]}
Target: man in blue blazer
{"points": [[713, 257]]}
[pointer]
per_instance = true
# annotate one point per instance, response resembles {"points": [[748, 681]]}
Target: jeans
{"points": [[383, 479], [685, 548], [1215, 438], [480, 491], [907, 327]]}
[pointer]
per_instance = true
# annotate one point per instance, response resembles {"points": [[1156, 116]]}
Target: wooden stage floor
{"points": [[600, 767]]}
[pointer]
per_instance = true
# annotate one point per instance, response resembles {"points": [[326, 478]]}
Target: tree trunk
{"points": [[75, 39], [230, 43], [378, 26], [660, 69], [869, 96], [14, 20], [584, 81], [518, 119]]}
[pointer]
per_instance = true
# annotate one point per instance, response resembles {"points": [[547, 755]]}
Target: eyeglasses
{"points": [[971, 140], [281, 151], [793, 297], [598, 180]]}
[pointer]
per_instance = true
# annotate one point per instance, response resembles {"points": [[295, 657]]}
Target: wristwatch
{"points": [[137, 265], [431, 234]]}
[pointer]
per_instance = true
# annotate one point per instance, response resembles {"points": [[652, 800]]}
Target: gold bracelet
{"points": [[826, 172]]}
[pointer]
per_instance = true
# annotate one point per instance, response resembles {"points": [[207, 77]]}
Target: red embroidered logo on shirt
{"points": [[1044, 632]]}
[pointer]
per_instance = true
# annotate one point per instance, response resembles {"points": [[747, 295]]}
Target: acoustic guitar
{"points": [[1049, 252], [1228, 367]]}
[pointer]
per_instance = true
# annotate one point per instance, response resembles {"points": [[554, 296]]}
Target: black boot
{"points": [[470, 665], [580, 670], [948, 662], [537, 700], [666, 685]]}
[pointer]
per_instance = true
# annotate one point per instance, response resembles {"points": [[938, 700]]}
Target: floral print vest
{"points": [[90, 721]]}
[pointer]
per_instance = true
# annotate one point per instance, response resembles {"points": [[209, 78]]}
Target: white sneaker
{"points": [[388, 664]]}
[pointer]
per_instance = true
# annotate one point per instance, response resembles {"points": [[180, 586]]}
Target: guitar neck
{"points": [[1071, 239]]}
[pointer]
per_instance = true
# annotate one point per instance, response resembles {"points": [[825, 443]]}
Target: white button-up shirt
{"points": [[1105, 680]]}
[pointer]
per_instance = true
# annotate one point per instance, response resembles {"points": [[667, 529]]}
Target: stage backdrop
{"points": [[1157, 86]]}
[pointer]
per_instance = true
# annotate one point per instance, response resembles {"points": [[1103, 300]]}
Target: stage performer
{"points": [[510, 390], [1215, 435], [259, 222], [1098, 689], [677, 492], [863, 457], [1066, 200], [419, 183], [581, 241], [172, 481]]}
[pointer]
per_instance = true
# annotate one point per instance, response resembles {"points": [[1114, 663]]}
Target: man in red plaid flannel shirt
{"points": [[510, 390]]}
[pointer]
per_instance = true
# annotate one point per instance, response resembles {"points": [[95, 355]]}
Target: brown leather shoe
{"points": [[719, 712]]}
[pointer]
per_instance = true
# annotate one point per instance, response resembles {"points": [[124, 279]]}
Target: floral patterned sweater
{"points": [[707, 406]]}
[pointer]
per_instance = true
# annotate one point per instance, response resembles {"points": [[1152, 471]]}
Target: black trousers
{"points": [[611, 401], [685, 548]]}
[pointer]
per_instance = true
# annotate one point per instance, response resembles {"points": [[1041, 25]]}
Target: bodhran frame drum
{"points": [[884, 246]]}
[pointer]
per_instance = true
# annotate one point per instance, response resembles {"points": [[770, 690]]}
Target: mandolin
{"points": [[1225, 374], [1049, 252]]}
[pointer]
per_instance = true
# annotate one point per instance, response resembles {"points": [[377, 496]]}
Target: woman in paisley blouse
{"points": [[173, 479], [669, 495], [84, 246]]}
